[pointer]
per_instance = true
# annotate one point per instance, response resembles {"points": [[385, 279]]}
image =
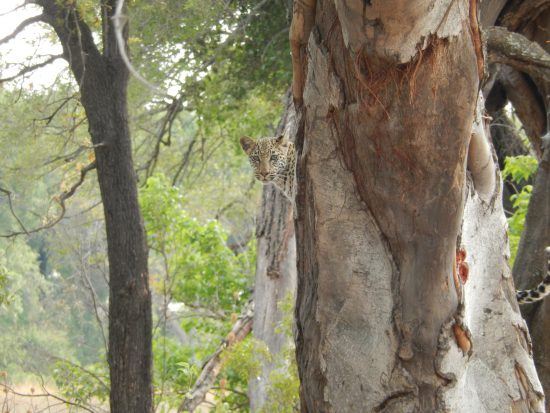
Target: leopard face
{"points": [[268, 157]]}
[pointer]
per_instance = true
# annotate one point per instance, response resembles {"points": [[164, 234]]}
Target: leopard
{"points": [[273, 160], [541, 290]]}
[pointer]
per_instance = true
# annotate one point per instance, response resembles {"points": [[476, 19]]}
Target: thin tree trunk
{"points": [[383, 212], [275, 273], [103, 80]]}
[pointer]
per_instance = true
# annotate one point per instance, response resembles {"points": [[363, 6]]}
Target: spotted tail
{"points": [[541, 290]]}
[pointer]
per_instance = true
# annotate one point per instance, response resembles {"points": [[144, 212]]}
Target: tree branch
{"points": [[119, 21], [10, 203], [31, 68], [213, 366], [22, 26], [74, 34], [61, 201], [527, 103], [515, 50]]}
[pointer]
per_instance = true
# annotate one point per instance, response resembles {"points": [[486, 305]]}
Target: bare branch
{"points": [[61, 201], [213, 366], [31, 68], [46, 393], [22, 26]]}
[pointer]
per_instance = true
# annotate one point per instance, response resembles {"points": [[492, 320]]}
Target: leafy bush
{"points": [[519, 170]]}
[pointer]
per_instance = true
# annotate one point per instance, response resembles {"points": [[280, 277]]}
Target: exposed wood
{"points": [[387, 119], [303, 15], [480, 157]]}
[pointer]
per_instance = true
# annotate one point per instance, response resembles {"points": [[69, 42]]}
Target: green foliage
{"points": [[201, 268], [244, 360], [82, 385], [519, 170]]}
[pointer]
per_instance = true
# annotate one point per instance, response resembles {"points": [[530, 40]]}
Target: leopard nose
{"points": [[263, 174]]}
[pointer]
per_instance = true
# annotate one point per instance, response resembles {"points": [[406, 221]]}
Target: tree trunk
{"points": [[531, 261], [275, 273], [383, 210], [103, 79]]}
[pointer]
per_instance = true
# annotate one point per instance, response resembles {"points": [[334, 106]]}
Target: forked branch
{"points": [[61, 199]]}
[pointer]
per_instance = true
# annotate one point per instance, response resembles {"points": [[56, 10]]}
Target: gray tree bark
{"points": [[275, 272], [385, 212]]}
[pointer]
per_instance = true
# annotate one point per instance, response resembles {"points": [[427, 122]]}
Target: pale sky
{"points": [[30, 42]]}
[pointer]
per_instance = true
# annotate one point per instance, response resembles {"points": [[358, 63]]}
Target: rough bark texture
{"points": [[388, 107], [275, 272], [530, 267], [103, 79]]}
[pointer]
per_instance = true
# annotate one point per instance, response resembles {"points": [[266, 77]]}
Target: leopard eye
{"points": [[274, 158]]}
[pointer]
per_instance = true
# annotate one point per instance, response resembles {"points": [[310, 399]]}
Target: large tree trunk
{"points": [[275, 274], [103, 79], [388, 106]]}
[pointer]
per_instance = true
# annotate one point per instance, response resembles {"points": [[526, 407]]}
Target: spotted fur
{"points": [[541, 290], [273, 161]]}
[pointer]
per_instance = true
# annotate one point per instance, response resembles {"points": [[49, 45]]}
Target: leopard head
{"points": [[268, 157]]}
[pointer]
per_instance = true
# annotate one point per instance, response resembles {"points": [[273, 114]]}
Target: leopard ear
{"points": [[247, 144], [280, 139]]}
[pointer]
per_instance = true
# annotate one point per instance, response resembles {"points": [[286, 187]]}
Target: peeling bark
{"points": [[388, 107]]}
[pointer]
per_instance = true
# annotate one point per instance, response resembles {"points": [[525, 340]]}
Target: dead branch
{"points": [[212, 367], [22, 26], [61, 202], [28, 69]]}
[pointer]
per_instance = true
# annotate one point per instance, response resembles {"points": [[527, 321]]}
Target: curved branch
{"points": [[22, 26], [515, 50], [31, 68], [526, 101]]}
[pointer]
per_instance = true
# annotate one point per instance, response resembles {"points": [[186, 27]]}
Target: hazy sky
{"points": [[29, 44]]}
